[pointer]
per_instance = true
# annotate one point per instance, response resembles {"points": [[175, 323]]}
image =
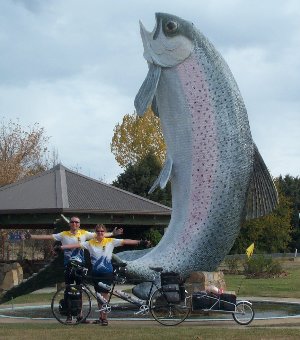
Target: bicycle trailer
{"points": [[210, 301]]}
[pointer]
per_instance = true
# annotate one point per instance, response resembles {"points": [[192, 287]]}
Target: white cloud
{"points": [[78, 114]]}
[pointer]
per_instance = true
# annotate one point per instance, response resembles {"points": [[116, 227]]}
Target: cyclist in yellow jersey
{"points": [[101, 250], [72, 236]]}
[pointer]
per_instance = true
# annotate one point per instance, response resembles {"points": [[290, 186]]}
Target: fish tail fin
{"points": [[262, 194]]}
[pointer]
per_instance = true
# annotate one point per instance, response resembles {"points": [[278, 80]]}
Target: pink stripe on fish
{"points": [[204, 148]]}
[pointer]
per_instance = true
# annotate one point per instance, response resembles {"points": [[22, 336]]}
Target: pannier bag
{"points": [[172, 292], [62, 307], [172, 285], [72, 303]]}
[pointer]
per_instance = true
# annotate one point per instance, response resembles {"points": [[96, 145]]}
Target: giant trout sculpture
{"points": [[217, 175]]}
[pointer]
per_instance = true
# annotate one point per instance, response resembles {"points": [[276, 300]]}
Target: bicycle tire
{"points": [[244, 313], [65, 316], [166, 313]]}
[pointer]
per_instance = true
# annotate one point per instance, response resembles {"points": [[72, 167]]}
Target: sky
{"points": [[75, 66]]}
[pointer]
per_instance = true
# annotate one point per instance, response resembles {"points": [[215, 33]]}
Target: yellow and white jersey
{"points": [[66, 237], [101, 253]]}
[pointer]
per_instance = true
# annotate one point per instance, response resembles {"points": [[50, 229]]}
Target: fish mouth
{"points": [[148, 38], [162, 50]]}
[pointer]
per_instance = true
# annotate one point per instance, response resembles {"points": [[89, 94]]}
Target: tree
{"points": [[136, 137], [271, 233], [22, 151], [138, 179], [290, 186]]}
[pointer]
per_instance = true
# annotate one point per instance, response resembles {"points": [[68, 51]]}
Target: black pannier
{"points": [[62, 307], [170, 283], [172, 292], [71, 305]]}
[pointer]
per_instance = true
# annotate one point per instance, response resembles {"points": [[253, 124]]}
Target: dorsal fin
{"points": [[262, 193]]}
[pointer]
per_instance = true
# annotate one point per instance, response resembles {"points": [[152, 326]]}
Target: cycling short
{"points": [[106, 278]]}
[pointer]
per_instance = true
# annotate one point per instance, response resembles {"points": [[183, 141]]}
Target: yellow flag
{"points": [[249, 250]]}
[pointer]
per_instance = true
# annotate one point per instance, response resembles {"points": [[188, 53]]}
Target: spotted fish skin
{"points": [[210, 152]]}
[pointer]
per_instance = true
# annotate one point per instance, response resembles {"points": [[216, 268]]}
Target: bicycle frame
{"points": [[156, 300], [106, 307]]}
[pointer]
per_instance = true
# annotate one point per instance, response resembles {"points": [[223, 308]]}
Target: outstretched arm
{"points": [[70, 246], [40, 237], [28, 236], [59, 248], [143, 243]]}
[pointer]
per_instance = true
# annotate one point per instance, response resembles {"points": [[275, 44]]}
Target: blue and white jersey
{"points": [[101, 253], [66, 237]]}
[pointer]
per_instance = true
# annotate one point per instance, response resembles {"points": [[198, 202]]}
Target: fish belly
{"points": [[206, 130]]}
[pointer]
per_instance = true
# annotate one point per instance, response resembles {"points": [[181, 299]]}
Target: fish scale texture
{"points": [[209, 149]]}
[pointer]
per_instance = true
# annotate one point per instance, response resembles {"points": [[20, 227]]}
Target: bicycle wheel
{"points": [[166, 313], [71, 309], [244, 313]]}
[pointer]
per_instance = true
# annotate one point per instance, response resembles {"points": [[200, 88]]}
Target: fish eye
{"points": [[171, 26]]}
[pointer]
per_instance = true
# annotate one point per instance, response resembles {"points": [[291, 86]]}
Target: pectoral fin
{"points": [[147, 91], [262, 193], [164, 176]]}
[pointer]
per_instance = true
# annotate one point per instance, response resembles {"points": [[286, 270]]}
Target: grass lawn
{"points": [[134, 331], [286, 286], [32, 298]]}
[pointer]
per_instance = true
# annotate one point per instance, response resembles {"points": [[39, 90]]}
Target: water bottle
{"points": [[104, 286], [101, 298]]}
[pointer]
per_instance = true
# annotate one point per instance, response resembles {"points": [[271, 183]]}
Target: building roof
{"points": [[61, 190]]}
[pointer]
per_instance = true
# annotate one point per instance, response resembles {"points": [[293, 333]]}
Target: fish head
{"points": [[171, 41]]}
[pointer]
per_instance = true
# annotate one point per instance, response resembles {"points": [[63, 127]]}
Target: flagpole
{"points": [[242, 280], [249, 253]]}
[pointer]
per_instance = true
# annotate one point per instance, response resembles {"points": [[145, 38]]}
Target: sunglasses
{"points": [[100, 231], [77, 222]]}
